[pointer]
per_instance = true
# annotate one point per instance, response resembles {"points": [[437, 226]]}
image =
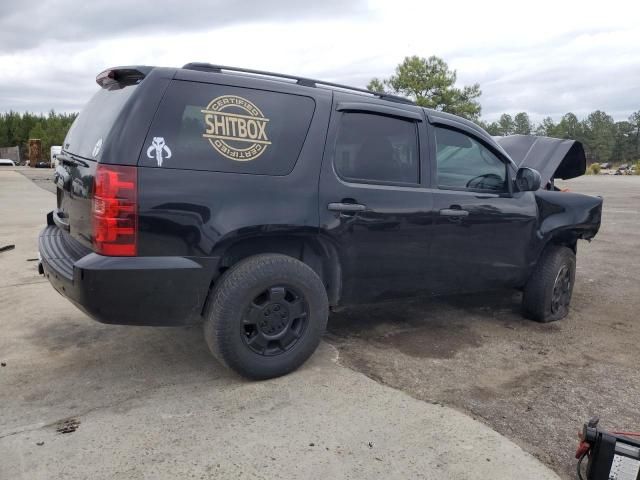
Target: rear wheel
{"points": [[266, 316], [547, 294]]}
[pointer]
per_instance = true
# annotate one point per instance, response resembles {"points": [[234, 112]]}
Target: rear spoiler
{"points": [[122, 76], [552, 157]]}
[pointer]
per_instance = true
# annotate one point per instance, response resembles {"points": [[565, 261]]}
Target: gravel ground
{"points": [[534, 383], [42, 177], [80, 400]]}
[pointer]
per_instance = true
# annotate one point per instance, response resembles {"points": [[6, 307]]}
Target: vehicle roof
{"points": [[303, 81], [321, 90]]}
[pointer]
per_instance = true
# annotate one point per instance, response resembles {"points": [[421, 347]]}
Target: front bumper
{"points": [[161, 291]]}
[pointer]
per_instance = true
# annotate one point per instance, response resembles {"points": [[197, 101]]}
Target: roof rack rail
{"points": [[307, 82]]}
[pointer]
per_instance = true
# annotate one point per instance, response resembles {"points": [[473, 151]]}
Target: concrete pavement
{"points": [[152, 403]]}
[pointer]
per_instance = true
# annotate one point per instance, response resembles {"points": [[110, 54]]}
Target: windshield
{"points": [[93, 124]]}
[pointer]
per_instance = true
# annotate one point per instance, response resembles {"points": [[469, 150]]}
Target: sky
{"points": [[543, 57]]}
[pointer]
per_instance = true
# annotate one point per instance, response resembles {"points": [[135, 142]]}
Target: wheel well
{"points": [[567, 239], [319, 254]]}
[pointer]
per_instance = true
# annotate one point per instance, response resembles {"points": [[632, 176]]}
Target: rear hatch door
{"points": [[82, 150]]}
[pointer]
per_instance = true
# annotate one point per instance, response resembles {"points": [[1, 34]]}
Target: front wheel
{"points": [[266, 316], [547, 294]]}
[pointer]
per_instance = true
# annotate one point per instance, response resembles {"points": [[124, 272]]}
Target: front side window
{"points": [[377, 148], [464, 163]]}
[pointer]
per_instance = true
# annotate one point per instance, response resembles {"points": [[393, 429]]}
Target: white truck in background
{"points": [[55, 150]]}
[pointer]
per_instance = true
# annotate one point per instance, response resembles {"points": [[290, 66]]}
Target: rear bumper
{"points": [[161, 291]]}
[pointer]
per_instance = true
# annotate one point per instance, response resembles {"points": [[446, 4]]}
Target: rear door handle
{"points": [[453, 212], [346, 207]]}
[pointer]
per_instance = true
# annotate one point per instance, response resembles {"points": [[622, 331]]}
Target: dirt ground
{"points": [[41, 177], [534, 383]]}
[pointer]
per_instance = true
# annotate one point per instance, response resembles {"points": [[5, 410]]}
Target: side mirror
{"points": [[528, 179]]}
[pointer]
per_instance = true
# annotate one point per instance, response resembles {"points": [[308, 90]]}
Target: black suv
{"points": [[256, 201]]}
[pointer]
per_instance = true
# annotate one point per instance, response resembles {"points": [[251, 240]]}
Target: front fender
{"points": [[567, 216]]}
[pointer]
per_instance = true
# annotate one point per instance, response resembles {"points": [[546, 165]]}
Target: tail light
{"points": [[115, 211]]}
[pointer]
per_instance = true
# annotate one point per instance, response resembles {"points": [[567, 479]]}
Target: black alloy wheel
{"points": [[275, 320], [561, 295], [547, 293], [266, 315]]}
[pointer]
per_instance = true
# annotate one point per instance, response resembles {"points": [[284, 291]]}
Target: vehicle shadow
{"points": [[434, 327], [503, 305], [170, 348], [89, 356], [75, 365]]}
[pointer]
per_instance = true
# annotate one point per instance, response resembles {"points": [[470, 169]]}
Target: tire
{"points": [[266, 316], [547, 294]]}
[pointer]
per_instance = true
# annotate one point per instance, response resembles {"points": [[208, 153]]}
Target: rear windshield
{"points": [[93, 124]]}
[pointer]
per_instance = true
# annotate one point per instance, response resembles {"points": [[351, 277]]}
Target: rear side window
{"points": [[377, 148], [90, 129], [202, 126]]}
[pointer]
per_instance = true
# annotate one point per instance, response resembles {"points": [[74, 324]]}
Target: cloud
{"points": [[579, 72], [547, 60], [27, 24]]}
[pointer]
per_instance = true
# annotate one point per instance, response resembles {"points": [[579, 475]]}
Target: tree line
{"points": [[17, 128], [430, 83], [604, 139]]}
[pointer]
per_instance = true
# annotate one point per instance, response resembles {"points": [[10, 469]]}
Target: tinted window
{"points": [[95, 121], [227, 129], [377, 148], [464, 162]]}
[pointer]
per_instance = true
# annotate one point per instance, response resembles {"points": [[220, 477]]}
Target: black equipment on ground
{"points": [[612, 455]]}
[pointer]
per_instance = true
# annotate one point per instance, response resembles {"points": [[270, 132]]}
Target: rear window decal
{"points": [[236, 128], [96, 148], [157, 149]]}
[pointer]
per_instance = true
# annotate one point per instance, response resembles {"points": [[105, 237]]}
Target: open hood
{"points": [[552, 157]]}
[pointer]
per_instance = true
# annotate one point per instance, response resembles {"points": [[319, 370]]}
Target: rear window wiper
{"points": [[72, 159]]}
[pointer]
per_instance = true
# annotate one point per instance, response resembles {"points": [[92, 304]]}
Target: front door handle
{"points": [[453, 212], [346, 207]]}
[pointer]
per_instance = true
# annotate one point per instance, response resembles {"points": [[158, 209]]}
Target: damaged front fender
{"points": [[563, 217], [566, 217]]}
